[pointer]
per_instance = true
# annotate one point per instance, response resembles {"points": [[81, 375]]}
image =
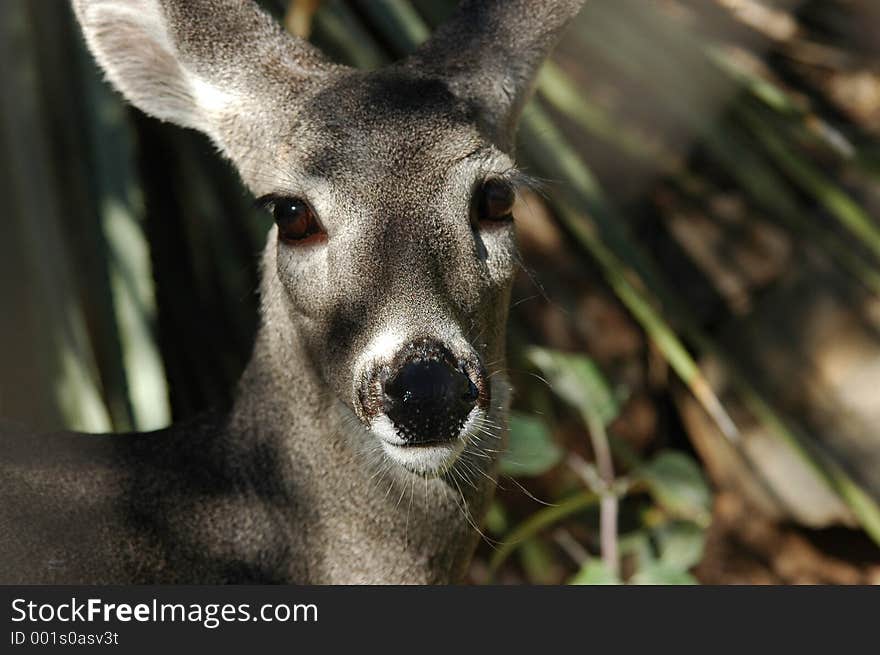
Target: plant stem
{"points": [[608, 499]]}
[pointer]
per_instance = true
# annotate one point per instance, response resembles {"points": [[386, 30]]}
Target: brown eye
{"points": [[495, 201], [295, 219]]}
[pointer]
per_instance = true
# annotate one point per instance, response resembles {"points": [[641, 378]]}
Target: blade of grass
{"points": [[69, 131], [850, 215], [546, 146], [398, 22], [337, 30], [556, 88]]}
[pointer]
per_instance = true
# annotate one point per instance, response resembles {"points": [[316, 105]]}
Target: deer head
{"points": [[392, 191]]}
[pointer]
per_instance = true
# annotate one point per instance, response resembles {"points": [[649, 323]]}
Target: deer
{"points": [[363, 442]]}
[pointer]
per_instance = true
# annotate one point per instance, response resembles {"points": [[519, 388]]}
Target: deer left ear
{"points": [[196, 62], [490, 51]]}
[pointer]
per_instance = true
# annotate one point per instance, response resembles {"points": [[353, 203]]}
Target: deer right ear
{"points": [[192, 62], [489, 52]]}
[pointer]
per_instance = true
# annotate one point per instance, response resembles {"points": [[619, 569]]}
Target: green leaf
{"points": [[578, 381], [594, 572], [680, 544], [636, 544], [530, 450], [496, 519], [677, 485], [660, 573]]}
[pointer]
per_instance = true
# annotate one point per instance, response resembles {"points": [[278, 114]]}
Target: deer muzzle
{"points": [[423, 401]]}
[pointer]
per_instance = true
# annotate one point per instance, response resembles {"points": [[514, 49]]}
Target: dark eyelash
{"points": [[518, 180], [266, 201]]}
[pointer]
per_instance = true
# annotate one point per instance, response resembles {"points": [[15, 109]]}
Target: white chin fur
{"points": [[424, 460]]}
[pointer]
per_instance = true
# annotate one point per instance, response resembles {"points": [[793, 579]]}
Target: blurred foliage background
{"points": [[695, 335]]}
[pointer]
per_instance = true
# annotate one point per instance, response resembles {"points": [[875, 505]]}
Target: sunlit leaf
{"points": [[594, 572], [496, 518], [531, 450], [578, 381], [677, 484], [660, 573], [680, 544], [637, 545]]}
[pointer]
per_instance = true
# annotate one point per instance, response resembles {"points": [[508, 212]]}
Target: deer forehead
{"points": [[389, 132], [390, 110]]}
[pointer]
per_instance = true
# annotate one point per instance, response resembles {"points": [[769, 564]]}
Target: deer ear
{"points": [[489, 53], [193, 61]]}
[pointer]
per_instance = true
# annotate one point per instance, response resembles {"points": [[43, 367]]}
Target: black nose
{"points": [[428, 401]]}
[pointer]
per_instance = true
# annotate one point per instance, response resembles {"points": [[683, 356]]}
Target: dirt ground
{"points": [[744, 548]]}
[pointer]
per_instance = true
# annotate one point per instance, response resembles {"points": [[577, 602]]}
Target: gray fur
{"points": [[292, 485]]}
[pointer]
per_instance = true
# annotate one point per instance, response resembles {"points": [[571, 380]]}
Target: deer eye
{"points": [[495, 201], [296, 220]]}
